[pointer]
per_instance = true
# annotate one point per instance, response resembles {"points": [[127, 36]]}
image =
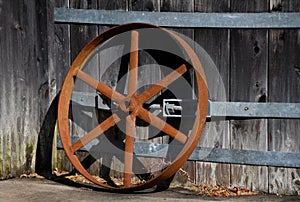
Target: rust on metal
{"points": [[96, 132], [134, 109], [130, 119]]}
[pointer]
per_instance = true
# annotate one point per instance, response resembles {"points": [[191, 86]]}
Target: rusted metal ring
{"points": [[68, 85]]}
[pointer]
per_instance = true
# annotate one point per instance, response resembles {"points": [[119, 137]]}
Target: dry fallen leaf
{"points": [[32, 175]]}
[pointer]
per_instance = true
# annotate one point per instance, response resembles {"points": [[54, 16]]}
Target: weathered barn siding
{"points": [[283, 84], [253, 65], [260, 65], [26, 81], [216, 133], [248, 82]]}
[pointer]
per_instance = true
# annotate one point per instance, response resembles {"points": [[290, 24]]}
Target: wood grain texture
{"points": [[113, 5], [255, 65], [215, 43], [211, 6], [24, 59], [82, 34], [284, 68], [110, 73], [74, 38], [147, 5], [149, 73], [248, 82], [181, 6], [63, 62], [62, 46]]}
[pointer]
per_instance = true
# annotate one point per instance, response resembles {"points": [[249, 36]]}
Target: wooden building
{"points": [[256, 65]]}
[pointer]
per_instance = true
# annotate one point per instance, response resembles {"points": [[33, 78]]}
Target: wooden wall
{"points": [[254, 65], [27, 82], [283, 86], [257, 65]]}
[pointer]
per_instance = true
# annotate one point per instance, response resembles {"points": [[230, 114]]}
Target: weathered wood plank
{"points": [[113, 5], [47, 89], [284, 68], [80, 36], [179, 6], [62, 57], [2, 75], [249, 50], [184, 125], [216, 43], [70, 41], [63, 62], [111, 64], [149, 73], [148, 5], [4, 44], [211, 6], [248, 82], [24, 59], [62, 46]]}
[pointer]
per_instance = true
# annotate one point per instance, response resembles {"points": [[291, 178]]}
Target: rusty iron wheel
{"points": [[132, 103]]}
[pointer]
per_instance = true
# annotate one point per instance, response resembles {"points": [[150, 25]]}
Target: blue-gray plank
{"points": [[179, 19], [254, 110], [217, 155]]}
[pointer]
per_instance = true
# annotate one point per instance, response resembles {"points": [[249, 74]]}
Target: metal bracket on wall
{"points": [[184, 108], [179, 19]]}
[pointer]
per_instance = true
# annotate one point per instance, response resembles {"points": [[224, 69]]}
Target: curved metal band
{"points": [[68, 85]]}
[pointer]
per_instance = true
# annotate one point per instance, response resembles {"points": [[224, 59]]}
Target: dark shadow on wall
{"points": [[45, 140]]}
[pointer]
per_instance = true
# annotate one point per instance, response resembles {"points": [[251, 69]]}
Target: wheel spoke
{"points": [[129, 143], [161, 125], [160, 85], [96, 132], [133, 66], [100, 87]]}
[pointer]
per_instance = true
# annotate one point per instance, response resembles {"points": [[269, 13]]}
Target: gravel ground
{"points": [[46, 190]]}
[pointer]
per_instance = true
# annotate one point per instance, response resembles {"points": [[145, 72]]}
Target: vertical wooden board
{"points": [[284, 68], [62, 46], [46, 78], [2, 105], [149, 71], [4, 45], [248, 82], [209, 6], [110, 59], [25, 60], [110, 64], [215, 43], [148, 5], [112, 5], [80, 35], [181, 6], [13, 87], [62, 58]]}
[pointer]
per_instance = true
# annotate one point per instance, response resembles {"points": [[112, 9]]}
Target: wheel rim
{"points": [[133, 104]]}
